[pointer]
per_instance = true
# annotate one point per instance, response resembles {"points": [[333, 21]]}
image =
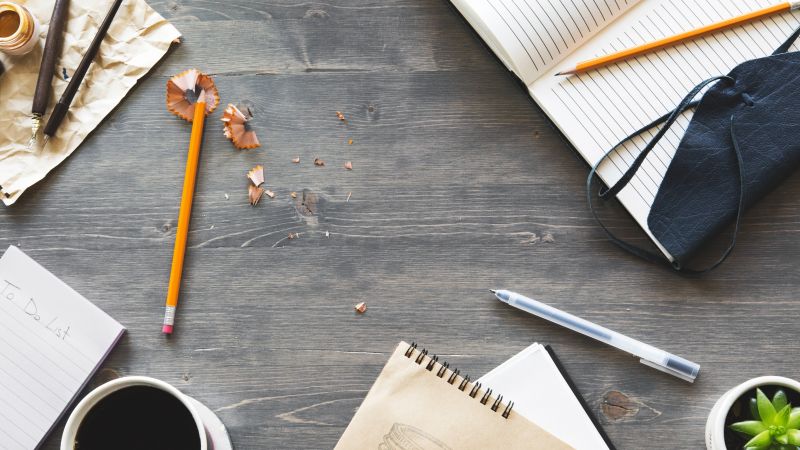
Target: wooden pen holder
{"points": [[19, 29]]}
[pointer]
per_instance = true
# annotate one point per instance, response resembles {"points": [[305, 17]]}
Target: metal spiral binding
{"points": [[454, 374]]}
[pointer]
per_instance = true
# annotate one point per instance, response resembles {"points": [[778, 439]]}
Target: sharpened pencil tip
{"points": [[493, 291]]}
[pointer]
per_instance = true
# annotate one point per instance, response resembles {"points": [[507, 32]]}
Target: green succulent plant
{"points": [[776, 425]]}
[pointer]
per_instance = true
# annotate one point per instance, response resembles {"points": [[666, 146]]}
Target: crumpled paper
{"points": [[138, 38]]}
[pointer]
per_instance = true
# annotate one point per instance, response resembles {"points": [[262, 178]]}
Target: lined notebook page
{"points": [[531, 36], [597, 109], [51, 341]]}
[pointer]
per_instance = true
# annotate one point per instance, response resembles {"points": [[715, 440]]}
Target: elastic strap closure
{"points": [[667, 119]]}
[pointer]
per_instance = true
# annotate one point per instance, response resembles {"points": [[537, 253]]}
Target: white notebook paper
{"points": [[541, 395], [51, 342], [595, 110]]}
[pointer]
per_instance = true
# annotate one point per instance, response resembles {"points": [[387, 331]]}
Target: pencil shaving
{"points": [[255, 194], [319, 162], [186, 89], [238, 128], [269, 193], [340, 116], [348, 165], [296, 160], [256, 175], [293, 195], [361, 308]]}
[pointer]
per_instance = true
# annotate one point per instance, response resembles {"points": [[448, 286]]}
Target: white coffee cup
{"points": [[101, 392]]}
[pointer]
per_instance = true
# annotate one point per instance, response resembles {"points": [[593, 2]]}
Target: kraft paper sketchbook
{"points": [[595, 110], [419, 403]]}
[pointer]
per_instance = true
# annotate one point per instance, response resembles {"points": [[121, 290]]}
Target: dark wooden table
{"points": [[459, 184]]}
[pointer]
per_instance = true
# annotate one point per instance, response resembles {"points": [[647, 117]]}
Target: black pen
{"points": [[61, 108]]}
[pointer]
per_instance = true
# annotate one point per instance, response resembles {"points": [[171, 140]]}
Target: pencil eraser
{"points": [[166, 329]]}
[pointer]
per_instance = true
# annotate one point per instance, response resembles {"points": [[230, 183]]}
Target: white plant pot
{"points": [[715, 426]]}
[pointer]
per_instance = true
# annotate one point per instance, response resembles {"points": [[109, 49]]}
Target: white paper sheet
{"points": [[540, 394]]}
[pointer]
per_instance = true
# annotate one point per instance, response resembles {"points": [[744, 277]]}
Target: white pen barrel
{"points": [[562, 318]]}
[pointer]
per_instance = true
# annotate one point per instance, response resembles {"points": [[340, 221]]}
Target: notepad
{"points": [[597, 109], [51, 342], [542, 395], [421, 402]]}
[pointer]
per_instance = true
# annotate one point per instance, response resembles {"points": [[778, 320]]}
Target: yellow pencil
{"points": [[636, 51], [185, 213]]}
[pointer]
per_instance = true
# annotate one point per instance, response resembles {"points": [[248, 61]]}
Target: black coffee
{"points": [[138, 417]]}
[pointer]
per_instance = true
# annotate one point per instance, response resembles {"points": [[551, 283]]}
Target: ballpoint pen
{"points": [[649, 355], [61, 108]]}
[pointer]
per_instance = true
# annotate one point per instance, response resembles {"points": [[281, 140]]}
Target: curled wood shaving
{"points": [[293, 194], [319, 162], [348, 196], [238, 129], [348, 165], [255, 194], [187, 88], [361, 308], [350, 142], [296, 160], [256, 175], [269, 193], [340, 116], [293, 235]]}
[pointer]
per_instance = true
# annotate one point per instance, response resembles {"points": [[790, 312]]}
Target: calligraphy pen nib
{"points": [[36, 122]]}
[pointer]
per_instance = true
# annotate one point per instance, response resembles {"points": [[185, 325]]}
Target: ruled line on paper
{"points": [[14, 327], [34, 369], [537, 34]]}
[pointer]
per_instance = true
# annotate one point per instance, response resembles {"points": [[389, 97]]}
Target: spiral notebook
{"points": [[418, 402], [536, 39]]}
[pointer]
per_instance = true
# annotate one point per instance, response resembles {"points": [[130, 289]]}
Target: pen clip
{"points": [[672, 372]]}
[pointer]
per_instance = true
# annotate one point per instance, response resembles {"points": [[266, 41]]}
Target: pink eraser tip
{"points": [[167, 329]]}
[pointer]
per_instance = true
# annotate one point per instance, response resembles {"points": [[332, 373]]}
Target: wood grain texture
{"points": [[459, 184]]}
